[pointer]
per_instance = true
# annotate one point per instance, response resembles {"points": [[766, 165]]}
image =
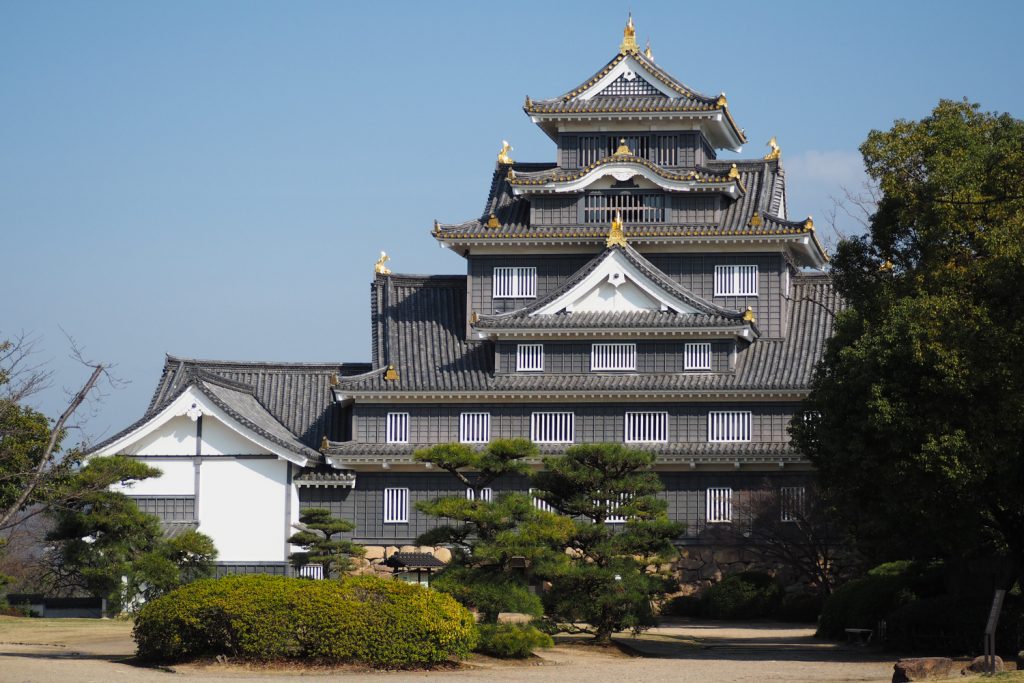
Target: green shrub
{"points": [[511, 641], [683, 606], [743, 596], [953, 625], [800, 607], [490, 593], [363, 619]]}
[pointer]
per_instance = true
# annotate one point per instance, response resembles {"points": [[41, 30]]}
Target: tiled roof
{"points": [[325, 477], [426, 344], [560, 175], [287, 403], [413, 560]]}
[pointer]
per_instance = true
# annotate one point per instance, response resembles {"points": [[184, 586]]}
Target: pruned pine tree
{"points": [[322, 543]]}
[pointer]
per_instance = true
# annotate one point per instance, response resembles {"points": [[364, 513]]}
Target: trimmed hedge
{"points": [[363, 619], [511, 641], [863, 602]]}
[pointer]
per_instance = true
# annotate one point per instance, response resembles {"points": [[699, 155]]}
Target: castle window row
{"points": [[724, 426], [520, 282], [718, 504], [613, 356]]}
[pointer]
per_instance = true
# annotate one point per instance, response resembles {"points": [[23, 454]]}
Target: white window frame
{"points": [[611, 507], [541, 504], [730, 426], [527, 356], [792, 500], [697, 356], [541, 421], [514, 282], [396, 505], [612, 356], [736, 280], [645, 423], [486, 494], [396, 429], [718, 505], [474, 427]]}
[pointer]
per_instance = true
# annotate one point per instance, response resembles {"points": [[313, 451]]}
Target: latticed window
{"points": [[791, 502], [397, 428], [592, 148], [475, 427], [485, 494], [613, 357], [668, 150], [719, 505], [647, 426], [552, 427], [168, 508], [311, 571], [630, 83], [515, 282], [735, 280], [634, 208], [540, 503], [729, 425], [612, 507], [529, 357], [396, 506], [697, 356]]}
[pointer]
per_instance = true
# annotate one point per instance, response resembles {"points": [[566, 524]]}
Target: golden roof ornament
{"points": [[503, 158], [722, 102], [334, 379], [647, 51], [391, 375], [748, 315], [886, 267], [775, 152], [493, 222], [529, 102], [623, 149], [756, 221], [511, 173], [379, 266], [615, 236], [324, 443], [629, 45], [474, 318], [809, 223], [734, 173]]}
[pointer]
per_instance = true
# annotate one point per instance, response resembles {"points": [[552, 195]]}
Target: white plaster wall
{"points": [[241, 507], [178, 479], [176, 437], [219, 439]]}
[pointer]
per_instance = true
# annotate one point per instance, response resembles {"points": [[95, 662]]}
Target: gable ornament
{"points": [[493, 222], [615, 236], [756, 221], [503, 158], [379, 268], [775, 152], [391, 375], [628, 45], [734, 173], [324, 444], [623, 149], [748, 315]]}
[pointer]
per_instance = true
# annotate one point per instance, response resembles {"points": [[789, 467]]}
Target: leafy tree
{"points": [[501, 545], [608, 585], [104, 545], [321, 546], [920, 442]]}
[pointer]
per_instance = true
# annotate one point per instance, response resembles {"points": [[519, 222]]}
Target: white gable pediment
{"points": [[616, 285], [629, 78]]}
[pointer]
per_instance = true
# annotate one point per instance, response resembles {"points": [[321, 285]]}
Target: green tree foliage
{"points": [[104, 545], [477, 469], [607, 585], [321, 545], [915, 414]]}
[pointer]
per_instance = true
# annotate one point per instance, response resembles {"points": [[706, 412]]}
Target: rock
{"points": [[727, 556], [429, 549], [921, 669], [514, 618], [443, 554], [374, 552], [410, 549], [978, 666], [390, 550], [711, 571]]}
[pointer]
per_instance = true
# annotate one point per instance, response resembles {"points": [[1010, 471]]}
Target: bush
{"points": [[363, 619], [952, 625], [683, 606], [863, 602], [800, 607], [511, 641], [489, 593], [743, 596]]}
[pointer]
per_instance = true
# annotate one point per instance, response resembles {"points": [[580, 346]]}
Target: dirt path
{"points": [[72, 651]]}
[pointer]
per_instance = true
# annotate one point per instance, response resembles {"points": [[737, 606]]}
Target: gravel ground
{"points": [[72, 651]]}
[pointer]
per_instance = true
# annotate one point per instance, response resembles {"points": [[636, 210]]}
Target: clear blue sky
{"points": [[215, 179]]}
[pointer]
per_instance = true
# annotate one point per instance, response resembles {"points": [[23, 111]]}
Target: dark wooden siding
{"points": [[703, 210], [562, 210], [574, 357], [687, 423], [552, 271], [682, 149]]}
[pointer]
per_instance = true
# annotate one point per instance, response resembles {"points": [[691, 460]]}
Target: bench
{"points": [[861, 636]]}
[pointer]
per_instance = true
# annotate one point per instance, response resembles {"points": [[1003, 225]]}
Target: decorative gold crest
{"points": [[615, 235], [379, 266]]}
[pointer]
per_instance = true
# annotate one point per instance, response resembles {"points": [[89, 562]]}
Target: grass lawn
{"points": [[65, 632]]}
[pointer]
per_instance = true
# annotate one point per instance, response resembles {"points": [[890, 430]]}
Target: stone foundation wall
{"points": [[376, 555]]}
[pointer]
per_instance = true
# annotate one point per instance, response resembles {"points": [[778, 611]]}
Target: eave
{"points": [[475, 396], [624, 167]]}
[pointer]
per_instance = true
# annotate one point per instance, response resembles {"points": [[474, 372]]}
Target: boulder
{"points": [[978, 666], [443, 554], [374, 552], [921, 669], [429, 549], [410, 549], [390, 550]]}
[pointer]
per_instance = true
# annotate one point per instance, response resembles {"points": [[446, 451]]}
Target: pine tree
{"points": [[321, 546]]}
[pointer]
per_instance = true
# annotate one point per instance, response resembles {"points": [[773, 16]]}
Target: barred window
{"points": [[729, 425], [634, 208], [515, 282], [791, 502], [311, 571], [540, 503], [529, 357], [612, 507], [397, 430], [168, 508], [668, 150], [735, 280], [648, 426], [613, 357], [697, 356], [552, 427], [396, 506], [485, 494], [475, 427], [719, 504]]}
